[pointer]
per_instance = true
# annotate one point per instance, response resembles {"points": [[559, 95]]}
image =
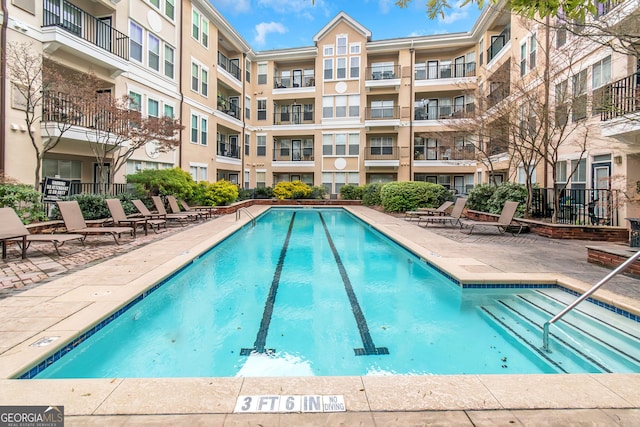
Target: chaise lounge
{"points": [[503, 223], [74, 223], [120, 218], [453, 218], [440, 210], [12, 229]]}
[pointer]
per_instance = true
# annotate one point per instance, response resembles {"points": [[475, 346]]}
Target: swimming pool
{"points": [[317, 292]]}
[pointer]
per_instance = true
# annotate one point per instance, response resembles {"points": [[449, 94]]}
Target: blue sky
{"points": [[278, 24]]}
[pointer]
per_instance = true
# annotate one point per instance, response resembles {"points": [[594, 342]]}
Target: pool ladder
{"points": [[253, 219], [619, 269]]}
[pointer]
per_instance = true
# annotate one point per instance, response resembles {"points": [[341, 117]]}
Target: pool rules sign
{"points": [[295, 403]]}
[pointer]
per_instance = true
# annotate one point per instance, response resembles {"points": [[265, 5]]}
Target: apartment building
{"points": [[346, 109]]}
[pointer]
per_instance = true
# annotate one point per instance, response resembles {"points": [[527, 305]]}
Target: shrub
{"points": [[317, 192], [371, 195], [24, 199], [351, 192], [262, 193], [479, 196], [291, 190], [405, 196], [509, 191], [158, 182], [218, 193]]}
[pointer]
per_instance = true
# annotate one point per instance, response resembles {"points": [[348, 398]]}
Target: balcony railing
{"points": [[443, 112], [71, 110], [584, 206], [383, 72], [498, 42], [78, 22], [434, 72], [381, 152], [289, 154], [229, 106], [621, 97], [382, 113], [293, 118], [229, 65], [286, 82], [227, 149], [444, 152]]}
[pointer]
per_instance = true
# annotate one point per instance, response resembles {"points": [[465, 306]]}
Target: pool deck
{"points": [[65, 305]]}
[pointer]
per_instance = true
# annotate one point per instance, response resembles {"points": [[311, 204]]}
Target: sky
{"points": [[282, 24]]}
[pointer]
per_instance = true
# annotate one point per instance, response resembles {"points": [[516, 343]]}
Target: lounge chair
{"points": [[74, 223], [120, 218], [210, 210], [503, 223], [453, 218], [175, 208], [12, 229], [181, 218], [145, 212], [440, 210]]}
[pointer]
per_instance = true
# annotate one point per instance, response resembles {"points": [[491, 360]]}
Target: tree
{"points": [[115, 129], [36, 80]]}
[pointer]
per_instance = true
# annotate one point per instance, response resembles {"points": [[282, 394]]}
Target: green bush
{"points": [[508, 191], [262, 193], [160, 182], [92, 206], [218, 193], [317, 192], [24, 199], [406, 196], [351, 192], [291, 190], [371, 195], [478, 199]]}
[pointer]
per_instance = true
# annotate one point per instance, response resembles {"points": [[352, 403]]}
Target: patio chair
{"points": [[211, 211], [145, 212], [181, 218], [440, 210], [453, 218], [12, 229], [74, 223], [175, 208], [120, 218], [503, 223]]}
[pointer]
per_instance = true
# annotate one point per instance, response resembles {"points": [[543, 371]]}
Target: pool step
{"points": [[580, 342]]}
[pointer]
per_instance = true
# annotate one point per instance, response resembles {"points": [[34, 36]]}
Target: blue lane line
{"points": [[367, 341], [261, 338]]}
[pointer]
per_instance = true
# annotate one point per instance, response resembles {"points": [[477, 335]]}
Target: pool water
{"points": [[318, 292]]}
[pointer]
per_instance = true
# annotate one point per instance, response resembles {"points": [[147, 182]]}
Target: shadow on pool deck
{"points": [[581, 399]]}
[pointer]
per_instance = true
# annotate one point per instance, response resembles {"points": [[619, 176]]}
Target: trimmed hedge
{"points": [[410, 195]]}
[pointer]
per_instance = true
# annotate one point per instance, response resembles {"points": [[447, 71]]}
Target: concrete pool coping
{"points": [[67, 306]]}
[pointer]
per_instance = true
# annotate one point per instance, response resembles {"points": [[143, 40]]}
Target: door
{"points": [[297, 78], [458, 70], [103, 33], [458, 184], [599, 208], [432, 69], [296, 110], [296, 147]]}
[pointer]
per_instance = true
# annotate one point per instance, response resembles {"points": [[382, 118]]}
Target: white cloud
{"points": [[234, 6], [456, 13], [263, 29], [385, 5]]}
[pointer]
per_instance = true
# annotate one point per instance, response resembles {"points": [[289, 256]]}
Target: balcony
{"points": [[382, 153], [382, 113], [228, 149], [436, 72], [71, 111], [293, 116], [498, 43], [621, 97], [443, 112], [69, 28], [444, 152], [388, 72], [287, 81], [283, 152], [229, 65], [229, 106]]}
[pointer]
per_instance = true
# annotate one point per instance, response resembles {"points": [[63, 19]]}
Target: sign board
{"points": [[55, 188]]}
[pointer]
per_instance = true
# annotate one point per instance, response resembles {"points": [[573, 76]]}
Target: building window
{"points": [[579, 87], [168, 111], [194, 128], [354, 48], [198, 171], [135, 102], [328, 69], [341, 144], [261, 180], [328, 50], [261, 145], [169, 9], [169, 61], [354, 67], [327, 107], [381, 145], [247, 144], [153, 108], [135, 41], [327, 145], [204, 87], [205, 33], [533, 49], [203, 131], [341, 43], [354, 105], [153, 52], [262, 73], [262, 109], [195, 77], [354, 144], [195, 24], [341, 68], [199, 79], [247, 107], [199, 131], [341, 106], [601, 73]]}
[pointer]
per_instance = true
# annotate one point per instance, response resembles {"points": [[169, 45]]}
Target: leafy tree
{"points": [[24, 199], [218, 193], [291, 190], [157, 182]]}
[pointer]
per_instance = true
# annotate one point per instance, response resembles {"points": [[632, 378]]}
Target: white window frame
{"points": [[135, 26], [151, 53]]}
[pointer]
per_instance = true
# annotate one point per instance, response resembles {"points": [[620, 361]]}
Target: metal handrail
{"points": [[619, 269], [253, 219]]}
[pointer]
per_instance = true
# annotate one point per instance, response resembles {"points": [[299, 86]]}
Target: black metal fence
{"points": [[585, 206]]}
